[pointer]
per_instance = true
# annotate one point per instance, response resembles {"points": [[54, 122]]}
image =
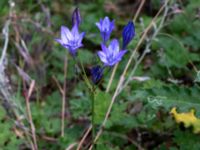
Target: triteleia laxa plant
{"points": [[71, 40], [112, 54], [106, 27]]}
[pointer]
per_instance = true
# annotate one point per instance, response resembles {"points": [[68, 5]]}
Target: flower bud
{"points": [[76, 17], [128, 33], [97, 73]]}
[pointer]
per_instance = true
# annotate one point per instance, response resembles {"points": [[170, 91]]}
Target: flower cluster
{"points": [[110, 54]]}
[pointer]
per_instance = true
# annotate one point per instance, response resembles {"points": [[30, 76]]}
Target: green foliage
{"points": [[181, 138], [101, 103], [7, 140], [169, 95], [171, 48], [80, 105], [198, 77]]}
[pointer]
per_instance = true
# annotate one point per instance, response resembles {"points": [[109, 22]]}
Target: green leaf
{"points": [[198, 77], [101, 103], [8, 139], [168, 96], [186, 140]]}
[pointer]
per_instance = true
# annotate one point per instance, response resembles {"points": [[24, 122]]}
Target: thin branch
{"points": [[6, 34], [71, 146], [139, 10], [111, 78], [84, 137], [30, 115], [58, 85], [37, 25], [64, 99]]}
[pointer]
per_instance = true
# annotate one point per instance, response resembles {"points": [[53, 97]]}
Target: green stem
{"points": [[92, 88], [84, 75], [93, 114]]}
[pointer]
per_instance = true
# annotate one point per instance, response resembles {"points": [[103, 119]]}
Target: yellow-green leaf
{"points": [[188, 119]]}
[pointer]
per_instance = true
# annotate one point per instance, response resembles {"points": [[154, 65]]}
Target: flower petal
{"points": [[113, 62], [74, 32], [98, 25], [104, 48], [65, 34], [59, 41], [114, 47], [105, 36], [102, 56], [106, 24], [117, 58], [112, 25], [120, 55], [81, 37]]}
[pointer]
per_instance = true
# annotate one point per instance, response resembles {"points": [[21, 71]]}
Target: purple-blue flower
{"points": [[128, 34], [97, 73], [76, 17], [105, 26], [111, 55], [71, 40]]}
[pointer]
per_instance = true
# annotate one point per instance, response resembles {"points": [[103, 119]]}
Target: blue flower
{"points": [[105, 26], [128, 34], [71, 40], [97, 73], [76, 17], [111, 55]]}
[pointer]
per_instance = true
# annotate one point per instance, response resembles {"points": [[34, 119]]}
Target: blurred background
{"points": [[168, 76]]}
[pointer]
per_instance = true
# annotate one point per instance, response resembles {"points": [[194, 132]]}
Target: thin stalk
{"points": [[6, 33], [84, 137], [64, 100], [30, 115], [111, 78], [93, 116], [139, 10], [90, 87], [133, 71], [92, 90]]}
